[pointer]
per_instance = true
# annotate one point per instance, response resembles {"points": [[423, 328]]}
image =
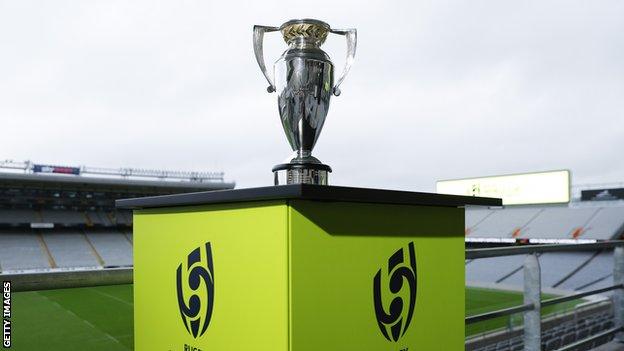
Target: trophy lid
{"points": [[307, 30]]}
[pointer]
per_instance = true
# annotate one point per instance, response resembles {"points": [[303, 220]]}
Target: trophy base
{"points": [[301, 173]]}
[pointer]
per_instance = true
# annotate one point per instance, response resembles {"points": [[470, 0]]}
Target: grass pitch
{"points": [[100, 319], [94, 319], [484, 300]]}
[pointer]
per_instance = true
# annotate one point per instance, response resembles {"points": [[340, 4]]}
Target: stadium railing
{"points": [[532, 290]]}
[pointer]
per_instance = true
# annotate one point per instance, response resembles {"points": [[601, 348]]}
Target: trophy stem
{"points": [[301, 173], [302, 154]]}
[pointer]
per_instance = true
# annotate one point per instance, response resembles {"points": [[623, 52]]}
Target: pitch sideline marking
{"points": [[113, 297], [80, 318]]}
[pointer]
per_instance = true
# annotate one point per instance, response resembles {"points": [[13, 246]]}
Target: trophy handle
{"points": [[351, 36], [258, 39]]}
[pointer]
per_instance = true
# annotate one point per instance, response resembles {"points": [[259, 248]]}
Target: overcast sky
{"points": [[438, 90]]}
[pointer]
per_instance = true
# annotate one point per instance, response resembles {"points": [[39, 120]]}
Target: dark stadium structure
{"points": [[64, 218]]}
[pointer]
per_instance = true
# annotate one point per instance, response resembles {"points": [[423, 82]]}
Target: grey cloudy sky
{"points": [[439, 89]]}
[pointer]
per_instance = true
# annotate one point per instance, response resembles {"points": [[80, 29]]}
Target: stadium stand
{"points": [[13, 216], [112, 247], [477, 215], [558, 222], [554, 222], [21, 250], [123, 218], [607, 223], [556, 268], [63, 217], [562, 334], [492, 270], [99, 218], [68, 221], [571, 271], [70, 249], [506, 223], [128, 235], [564, 271], [595, 274]]}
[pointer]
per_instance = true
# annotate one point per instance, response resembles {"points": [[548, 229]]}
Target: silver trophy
{"points": [[304, 79]]}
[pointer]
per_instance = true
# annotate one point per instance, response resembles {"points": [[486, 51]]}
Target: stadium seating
{"points": [[113, 247], [99, 218], [128, 234], [559, 222], [21, 251], [504, 223], [546, 222], [561, 335], [67, 222], [556, 268], [596, 274], [64, 217], [606, 222], [70, 249], [475, 215], [561, 270], [123, 218], [18, 216], [51, 249], [569, 271], [492, 270]]}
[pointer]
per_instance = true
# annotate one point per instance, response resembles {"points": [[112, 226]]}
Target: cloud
{"points": [[438, 90]]}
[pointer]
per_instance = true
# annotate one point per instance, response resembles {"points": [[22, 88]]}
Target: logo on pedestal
{"points": [[195, 290], [400, 292]]}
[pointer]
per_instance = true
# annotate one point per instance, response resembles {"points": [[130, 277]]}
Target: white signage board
{"points": [[515, 189]]}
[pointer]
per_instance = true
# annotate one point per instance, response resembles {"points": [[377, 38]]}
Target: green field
{"points": [[100, 319], [483, 300], [94, 319]]}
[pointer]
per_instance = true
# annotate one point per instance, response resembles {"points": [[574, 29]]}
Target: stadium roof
{"points": [[74, 181]]}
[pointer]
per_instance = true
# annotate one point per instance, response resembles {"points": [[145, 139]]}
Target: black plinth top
{"points": [[307, 192]]}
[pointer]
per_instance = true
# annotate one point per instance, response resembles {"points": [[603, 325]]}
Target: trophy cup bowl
{"points": [[303, 78]]}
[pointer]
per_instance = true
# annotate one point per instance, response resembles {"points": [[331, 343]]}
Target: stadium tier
{"points": [[21, 250], [113, 248], [600, 222], [570, 271], [68, 221], [562, 273], [561, 270], [561, 334]]}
